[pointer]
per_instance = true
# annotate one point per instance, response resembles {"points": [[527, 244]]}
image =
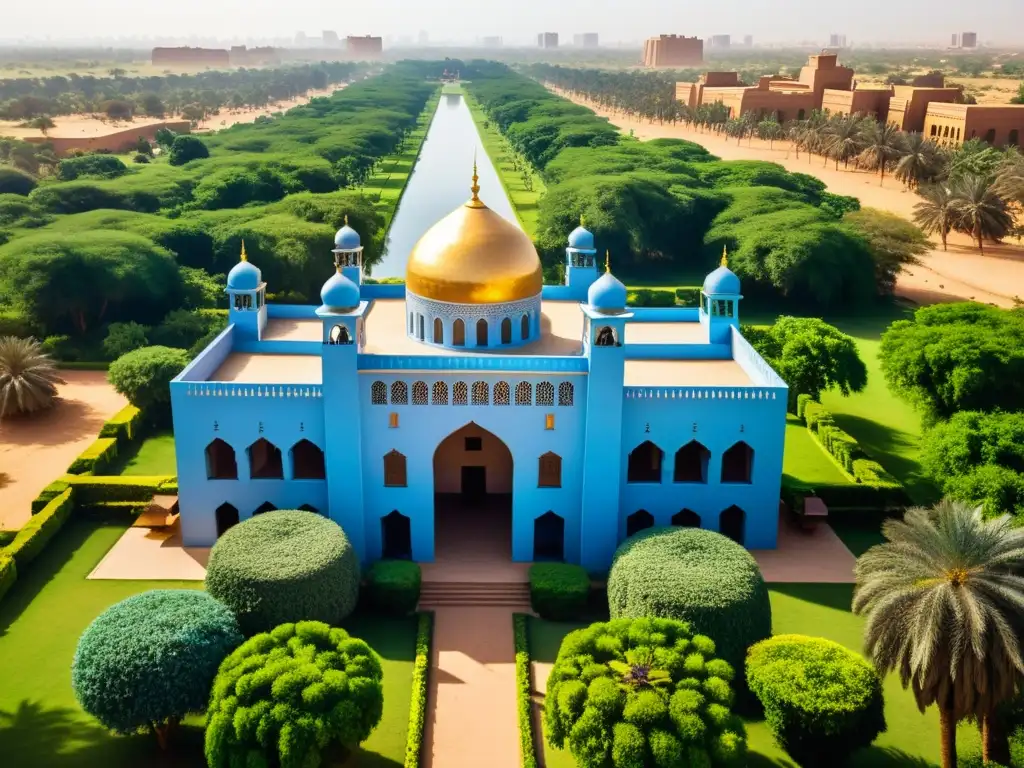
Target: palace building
{"points": [[554, 415]]}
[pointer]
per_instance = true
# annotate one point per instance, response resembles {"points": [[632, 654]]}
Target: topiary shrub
{"points": [[187, 148], [393, 586], [559, 591], [144, 377], [696, 576], [821, 700], [149, 660], [284, 566], [300, 695], [632, 693]]}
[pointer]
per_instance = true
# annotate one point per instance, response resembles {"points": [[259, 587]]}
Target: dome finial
{"points": [[346, 219], [475, 189], [607, 261], [725, 256], [244, 256], [582, 222]]}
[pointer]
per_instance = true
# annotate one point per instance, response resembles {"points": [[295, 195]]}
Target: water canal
{"points": [[440, 182]]}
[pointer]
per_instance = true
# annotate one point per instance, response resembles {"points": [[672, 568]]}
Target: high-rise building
{"points": [[330, 39], [968, 39], [585, 40], [748, 41], [836, 41], [720, 41], [492, 41], [547, 40], [955, 42], [366, 47], [673, 51]]}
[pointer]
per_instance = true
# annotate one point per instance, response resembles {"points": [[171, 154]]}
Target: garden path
{"points": [[37, 449]]}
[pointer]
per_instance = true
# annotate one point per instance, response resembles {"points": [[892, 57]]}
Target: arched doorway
{"points": [[226, 516], [472, 496], [549, 537], [395, 536], [732, 522]]}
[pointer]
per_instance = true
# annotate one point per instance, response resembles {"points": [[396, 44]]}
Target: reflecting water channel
{"points": [[440, 182]]}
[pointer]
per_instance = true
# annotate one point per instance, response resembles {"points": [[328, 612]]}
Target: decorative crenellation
{"points": [[476, 392], [509, 363], [221, 389], [512, 323], [699, 393]]}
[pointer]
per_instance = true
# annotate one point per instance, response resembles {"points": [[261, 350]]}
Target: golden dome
{"points": [[474, 256]]}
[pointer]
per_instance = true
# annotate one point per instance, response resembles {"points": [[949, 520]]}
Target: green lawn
{"points": [[41, 618], [912, 739], [805, 458], [524, 201], [154, 457]]}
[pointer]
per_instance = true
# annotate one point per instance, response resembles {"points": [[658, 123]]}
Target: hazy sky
{"points": [[1001, 21]]}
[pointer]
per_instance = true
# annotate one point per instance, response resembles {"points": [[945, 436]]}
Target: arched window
{"points": [[420, 331], [394, 470], [686, 518], [506, 331], [549, 537], [266, 506], [738, 464], [545, 393], [638, 521], [481, 393], [481, 332], [990, 136], [379, 393], [502, 393], [265, 461], [412, 323], [339, 335], [732, 523], [220, 461], [307, 461], [395, 536], [460, 393], [645, 463], [524, 393], [691, 463], [1014, 137], [310, 508], [419, 393], [440, 394], [226, 516], [605, 336], [565, 393], [399, 393], [549, 473], [524, 327], [438, 331], [801, 114], [458, 333]]}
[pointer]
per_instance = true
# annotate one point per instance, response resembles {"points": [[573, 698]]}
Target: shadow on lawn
{"points": [[836, 596]]}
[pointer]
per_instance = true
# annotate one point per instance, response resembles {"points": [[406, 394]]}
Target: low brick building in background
{"points": [[673, 51], [953, 124]]}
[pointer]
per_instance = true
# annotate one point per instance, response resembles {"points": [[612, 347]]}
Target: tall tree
{"points": [[980, 211], [883, 145], [843, 141], [937, 211], [944, 603], [921, 161]]}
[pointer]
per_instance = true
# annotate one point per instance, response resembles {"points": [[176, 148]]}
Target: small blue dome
{"points": [[582, 239], [244, 276], [722, 281], [340, 293], [347, 238], [607, 294]]}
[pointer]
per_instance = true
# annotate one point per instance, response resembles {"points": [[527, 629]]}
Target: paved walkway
{"points": [[816, 557], [471, 701]]}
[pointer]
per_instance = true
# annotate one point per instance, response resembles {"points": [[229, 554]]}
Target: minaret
{"points": [[719, 302], [348, 253], [580, 260], [247, 299]]}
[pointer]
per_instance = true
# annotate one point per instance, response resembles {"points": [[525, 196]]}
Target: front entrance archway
{"points": [[472, 496], [395, 536]]}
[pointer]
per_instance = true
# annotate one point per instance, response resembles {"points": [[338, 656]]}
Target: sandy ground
{"points": [[76, 126], [35, 451], [957, 274]]}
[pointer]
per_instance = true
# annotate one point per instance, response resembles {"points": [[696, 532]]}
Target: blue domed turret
{"points": [[347, 239], [244, 276], [581, 238], [723, 281], [340, 293], [607, 294]]}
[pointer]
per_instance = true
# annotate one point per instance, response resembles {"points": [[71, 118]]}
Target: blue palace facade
{"points": [[555, 413]]}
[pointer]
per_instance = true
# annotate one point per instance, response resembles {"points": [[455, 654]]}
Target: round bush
{"points": [[282, 567], [293, 697], [820, 699], [13, 181], [696, 576], [631, 688], [393, 586], [559, 591], [152, 658], [144, 376]]}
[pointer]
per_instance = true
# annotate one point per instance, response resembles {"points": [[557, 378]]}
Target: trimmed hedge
{"points": [[650, 297], [125, 425], [8, 573], [152, 658], [821, 700], [284, 566], [95, 459], [48, 494], [393, 586], [37, 532], [697, 576], [292, 696], [559, 591], [520, 639], [420, 679], [94, 490], [688, 297], [643, 692], [849, 496]]}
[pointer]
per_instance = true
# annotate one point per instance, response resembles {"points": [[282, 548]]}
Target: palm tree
{"points": [[883, 143], [980, 211], [944, 602], [1010, 179], [921, 161], [937, 211], [843, 139], [28, 379]]}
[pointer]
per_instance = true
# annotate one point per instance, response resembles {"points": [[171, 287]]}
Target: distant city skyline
{"points": [[465, 21]]}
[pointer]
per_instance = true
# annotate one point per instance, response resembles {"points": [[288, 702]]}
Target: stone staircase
{"points": [[458, 594]]}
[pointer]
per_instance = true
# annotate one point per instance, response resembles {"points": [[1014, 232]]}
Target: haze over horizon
{"points": [[463, 21]]}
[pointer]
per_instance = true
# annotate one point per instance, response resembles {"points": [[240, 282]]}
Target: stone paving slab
{"points": [[152, 555]]}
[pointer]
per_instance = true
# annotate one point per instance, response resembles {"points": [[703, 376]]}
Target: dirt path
{"points": [[472, 697], [953, 275], [34, 451]]}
